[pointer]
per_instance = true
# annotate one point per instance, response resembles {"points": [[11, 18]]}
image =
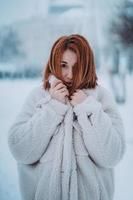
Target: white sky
{"points": [[14, 10]]}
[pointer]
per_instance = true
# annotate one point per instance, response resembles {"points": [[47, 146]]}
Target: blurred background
{"points": [[28, 29]]}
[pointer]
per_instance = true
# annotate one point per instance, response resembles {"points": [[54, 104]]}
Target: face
{"points": [[69, 59]]}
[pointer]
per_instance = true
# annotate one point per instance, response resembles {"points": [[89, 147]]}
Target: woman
{"points": [[69, 135]]}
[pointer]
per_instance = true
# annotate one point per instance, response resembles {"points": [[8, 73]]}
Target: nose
{"points": [[70, 74]]}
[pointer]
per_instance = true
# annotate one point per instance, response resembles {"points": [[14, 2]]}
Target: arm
{"points": [[34, 127], [102, 128]]}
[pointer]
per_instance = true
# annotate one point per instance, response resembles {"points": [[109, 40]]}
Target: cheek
{"points": [[64, 73]]}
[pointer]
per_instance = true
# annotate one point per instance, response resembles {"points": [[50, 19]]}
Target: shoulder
{"points": [[35, 95], [106, 97], [104, 93], [99, 92], [38, 92]]}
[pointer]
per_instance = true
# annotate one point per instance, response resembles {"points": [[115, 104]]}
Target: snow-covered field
{"points": [[12, 96]]}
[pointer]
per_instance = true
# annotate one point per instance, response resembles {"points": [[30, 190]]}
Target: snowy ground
{"points": [[12, 96]]}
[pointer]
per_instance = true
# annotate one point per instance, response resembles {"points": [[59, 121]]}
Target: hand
{"points": [[59, 91], [78, 97]]}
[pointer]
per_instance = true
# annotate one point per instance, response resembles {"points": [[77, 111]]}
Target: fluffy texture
{"points": [[65, 152]]}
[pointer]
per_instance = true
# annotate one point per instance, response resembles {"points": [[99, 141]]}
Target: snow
{"points": [[12, 96]]}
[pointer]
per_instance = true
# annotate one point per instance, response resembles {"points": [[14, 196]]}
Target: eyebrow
{"points": [[66, 62]]}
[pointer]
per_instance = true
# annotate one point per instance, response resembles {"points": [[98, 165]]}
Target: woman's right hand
{"points": [[59, 91]]}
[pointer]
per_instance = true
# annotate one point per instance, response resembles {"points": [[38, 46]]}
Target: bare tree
{"points": [[10, 45], [122, 25], [120, 45]]}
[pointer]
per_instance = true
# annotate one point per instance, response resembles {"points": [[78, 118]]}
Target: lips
{"points": [[70, 83]]}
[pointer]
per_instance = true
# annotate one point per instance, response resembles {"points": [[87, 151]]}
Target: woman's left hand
{"points": [[78, 97]]}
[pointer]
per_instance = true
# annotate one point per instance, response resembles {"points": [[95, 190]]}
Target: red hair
{"points": [[84, 71]]}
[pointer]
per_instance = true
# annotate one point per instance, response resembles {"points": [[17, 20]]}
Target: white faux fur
{"points": [[64, 157]]}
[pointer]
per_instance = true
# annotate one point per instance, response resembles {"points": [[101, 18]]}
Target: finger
{"points": [[73, 95], [63, 90], [55, 83], [65, 93], [76, 91], [59, 86]]}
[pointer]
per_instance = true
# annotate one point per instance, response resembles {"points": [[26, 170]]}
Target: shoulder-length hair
{"points": [[84, 72]]}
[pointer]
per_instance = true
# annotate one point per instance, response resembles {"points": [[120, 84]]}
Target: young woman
{"points": [[69, 135]]}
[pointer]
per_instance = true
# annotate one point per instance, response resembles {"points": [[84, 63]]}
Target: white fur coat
{"points": [[65, 152]]}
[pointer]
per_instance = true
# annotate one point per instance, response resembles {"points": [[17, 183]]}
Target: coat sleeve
{"points": [[102, 129], [34, 127]]}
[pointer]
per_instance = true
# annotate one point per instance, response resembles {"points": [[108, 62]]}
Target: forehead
{"points": [[69, 55]]}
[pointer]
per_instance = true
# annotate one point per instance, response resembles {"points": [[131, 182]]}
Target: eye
{"points": [[63, 65]]}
